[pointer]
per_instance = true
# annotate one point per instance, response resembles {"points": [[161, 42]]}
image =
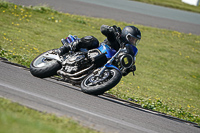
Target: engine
{"points": [[78, 65], [74, 63]]}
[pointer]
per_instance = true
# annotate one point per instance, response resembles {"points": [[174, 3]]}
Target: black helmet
{"points": [[131, 34]]}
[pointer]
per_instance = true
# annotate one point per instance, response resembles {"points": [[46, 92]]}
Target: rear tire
{"points": [[97, 86], [42, 68]]}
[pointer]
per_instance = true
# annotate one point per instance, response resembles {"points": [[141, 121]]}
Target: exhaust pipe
{"points": [[60, 72]]}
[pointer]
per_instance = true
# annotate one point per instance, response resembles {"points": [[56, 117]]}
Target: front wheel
{"points": [[42, 67], [97, 85]]}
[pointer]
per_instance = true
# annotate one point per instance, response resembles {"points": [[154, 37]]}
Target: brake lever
{"points": [[133, 73]]}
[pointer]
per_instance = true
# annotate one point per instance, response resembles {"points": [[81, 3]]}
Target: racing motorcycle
{"points": [[96, 70]]}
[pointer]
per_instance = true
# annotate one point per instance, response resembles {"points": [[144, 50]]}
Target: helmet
{"points": [[131, 34]]}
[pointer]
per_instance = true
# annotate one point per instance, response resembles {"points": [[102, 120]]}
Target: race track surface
{"points": [[127, 11], [98, 112]]}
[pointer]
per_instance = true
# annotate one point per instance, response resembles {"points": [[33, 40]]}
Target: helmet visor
{"points": [[132, 39]]}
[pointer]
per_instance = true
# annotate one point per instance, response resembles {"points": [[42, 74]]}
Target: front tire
{"points": [[42, 67], [95, 85]]}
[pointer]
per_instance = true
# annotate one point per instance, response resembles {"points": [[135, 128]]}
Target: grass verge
{"points": [[15, 118], [177, 4], [167, 77]]}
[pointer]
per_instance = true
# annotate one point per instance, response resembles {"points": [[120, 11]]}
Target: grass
{"points": [[177, 4], [167, 77], [15, 118]]}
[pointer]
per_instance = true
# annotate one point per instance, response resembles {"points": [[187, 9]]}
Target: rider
{"points": [[129, 35]]}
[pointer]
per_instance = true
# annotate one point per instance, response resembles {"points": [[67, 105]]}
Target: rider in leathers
{"points": [[129, 35]]}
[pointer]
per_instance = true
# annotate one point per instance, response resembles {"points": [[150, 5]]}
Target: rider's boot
{"points": [[62, 50], [74, 46], [88, 42]]}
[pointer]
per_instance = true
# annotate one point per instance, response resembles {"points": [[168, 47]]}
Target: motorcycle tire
{"points": [[102, 86], [42, 68]]}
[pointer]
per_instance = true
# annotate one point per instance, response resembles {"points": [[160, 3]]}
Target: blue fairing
{"points": [[104, 48], [111, 66], [134, 49]]}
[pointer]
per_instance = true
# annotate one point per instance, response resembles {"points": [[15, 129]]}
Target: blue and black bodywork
{"points": [[131, 49], [109, 52], [104, 48]]}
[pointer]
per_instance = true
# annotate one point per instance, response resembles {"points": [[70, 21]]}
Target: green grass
{"points": [[177, 4], [167, 77], [15, 118]]}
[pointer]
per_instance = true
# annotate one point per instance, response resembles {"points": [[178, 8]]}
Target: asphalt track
{"points": [[127, 11], [97, 112]]}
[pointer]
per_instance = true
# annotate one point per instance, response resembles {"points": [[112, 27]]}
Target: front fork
{"points": [[108, 64]]}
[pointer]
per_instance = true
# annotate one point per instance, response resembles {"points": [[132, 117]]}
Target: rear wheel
{"points": [[97, 85], [42, 67]]}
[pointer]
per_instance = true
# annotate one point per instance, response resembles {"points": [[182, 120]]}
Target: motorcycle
{"points": [[96, 70]]}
